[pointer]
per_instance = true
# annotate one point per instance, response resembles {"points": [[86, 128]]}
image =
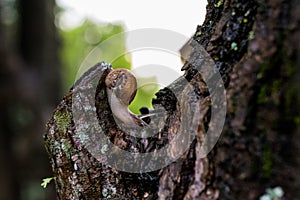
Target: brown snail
{"points": [[121, 87]]}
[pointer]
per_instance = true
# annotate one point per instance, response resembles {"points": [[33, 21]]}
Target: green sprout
{"points": [[273, 194], [217, 5], [234, 46], [198, 33], [46, 181]]}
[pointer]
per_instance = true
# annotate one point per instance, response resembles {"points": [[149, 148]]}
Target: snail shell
{"points": [[121, 87], [123, 83]]}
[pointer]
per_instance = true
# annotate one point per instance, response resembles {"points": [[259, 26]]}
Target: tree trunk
{"points": [[29, 88], [255, 48]]}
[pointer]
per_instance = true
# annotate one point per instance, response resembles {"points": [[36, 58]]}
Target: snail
{"points": [[121, 87]]}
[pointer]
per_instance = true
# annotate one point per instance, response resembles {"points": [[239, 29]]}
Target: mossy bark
{"points": [[255, 48]]}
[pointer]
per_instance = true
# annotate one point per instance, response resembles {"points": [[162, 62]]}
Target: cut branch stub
{"points": [[87, 144]]}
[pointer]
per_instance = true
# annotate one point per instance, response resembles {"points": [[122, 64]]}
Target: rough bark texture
{"points": [[255, 48]]}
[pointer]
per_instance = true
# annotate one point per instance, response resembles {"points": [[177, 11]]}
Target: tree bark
{"points": [[254, 46]]}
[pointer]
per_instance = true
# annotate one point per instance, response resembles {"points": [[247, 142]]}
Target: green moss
{"points": [[62, 120], [233, 103], [263, 69], [66, 146], [297, 120], [275, 86], [267, 161], [290, 67], [262, 96], [251, 35], [289, 97], [268, 91]]}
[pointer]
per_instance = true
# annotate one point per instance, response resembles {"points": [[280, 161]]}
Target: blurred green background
{"points": [[39, 62], [105, 40]]}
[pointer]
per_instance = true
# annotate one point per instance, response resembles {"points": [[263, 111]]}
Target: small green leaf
{"points": [[217, 5], [234, 46], [46, 181], [278, 192], [270, 192], [265, 197]]}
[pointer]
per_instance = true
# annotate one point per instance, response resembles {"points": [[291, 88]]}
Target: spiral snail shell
{"points": [[121, 87]]}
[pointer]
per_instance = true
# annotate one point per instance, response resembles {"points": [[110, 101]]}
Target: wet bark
{"points": [[254, 46]]}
